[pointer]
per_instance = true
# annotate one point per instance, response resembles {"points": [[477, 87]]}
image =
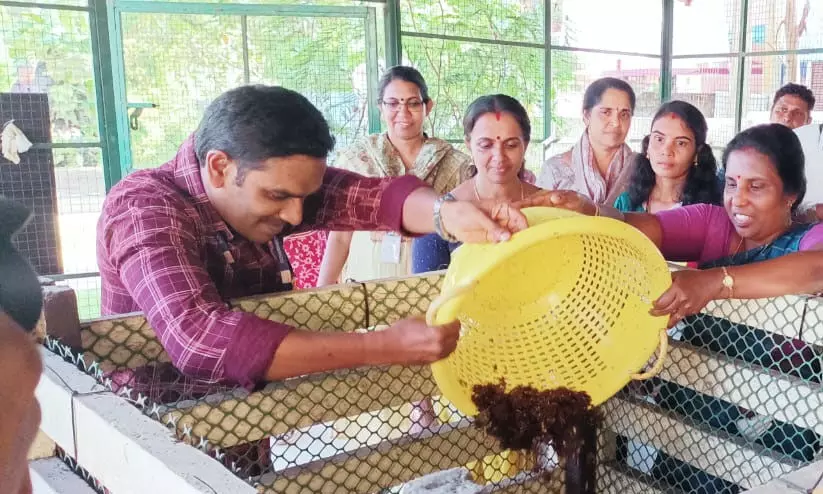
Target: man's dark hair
{"points": [[792, 89], [254, 123]]}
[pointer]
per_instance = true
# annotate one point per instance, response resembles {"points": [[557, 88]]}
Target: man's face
{"points": [[258, 204], [791, 111]]}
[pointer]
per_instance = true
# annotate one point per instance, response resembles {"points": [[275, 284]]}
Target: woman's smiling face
{"points": [[754, 196]]}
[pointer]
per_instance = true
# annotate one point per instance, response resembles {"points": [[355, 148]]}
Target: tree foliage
{"points": [[180, 62], [50, 50]]}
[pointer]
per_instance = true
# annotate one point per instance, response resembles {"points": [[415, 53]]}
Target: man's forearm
{"points": [[407, 342], [308, 352], [418, 211]]}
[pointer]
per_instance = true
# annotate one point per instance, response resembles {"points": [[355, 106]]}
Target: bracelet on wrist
{"points": [[438, 219]]}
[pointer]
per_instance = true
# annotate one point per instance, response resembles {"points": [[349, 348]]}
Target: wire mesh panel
{"points": [[361, 3], [458, 72], [766, 74], [706, 27], [710, 84], [496, 20], [787, 25], [362, 430], [322, 57], [737, 405], [179, 63], [772, 26], [176, 64], [50, 51], [575, 71], [605, 25]]}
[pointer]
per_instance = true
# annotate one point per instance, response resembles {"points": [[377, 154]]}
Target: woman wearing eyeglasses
{"points": [[403, 149]]}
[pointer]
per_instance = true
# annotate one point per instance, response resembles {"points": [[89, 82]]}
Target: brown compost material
{"points": [[524, 418]]}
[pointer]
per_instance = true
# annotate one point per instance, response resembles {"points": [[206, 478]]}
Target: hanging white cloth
{"points": [[13, 142]]}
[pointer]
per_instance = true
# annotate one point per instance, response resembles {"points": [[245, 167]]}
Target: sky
{"points": [[635, 26]]}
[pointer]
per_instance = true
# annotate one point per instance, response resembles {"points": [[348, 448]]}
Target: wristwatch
{"points": [[728, 281], [438, 221]]}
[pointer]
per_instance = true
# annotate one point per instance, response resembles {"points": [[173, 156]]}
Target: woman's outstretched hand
{"points": [[563, 199], [690, 292]]}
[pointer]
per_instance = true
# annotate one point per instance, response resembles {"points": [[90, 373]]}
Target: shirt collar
{"points": [[186, 170]]}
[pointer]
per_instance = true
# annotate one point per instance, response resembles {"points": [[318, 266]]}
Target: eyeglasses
{"points": [[413, 105]]}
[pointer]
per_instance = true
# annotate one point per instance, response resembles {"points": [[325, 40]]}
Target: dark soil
{"points": [[524, 417]]}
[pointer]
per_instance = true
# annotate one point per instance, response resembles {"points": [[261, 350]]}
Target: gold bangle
{"points": [[728, 281]]}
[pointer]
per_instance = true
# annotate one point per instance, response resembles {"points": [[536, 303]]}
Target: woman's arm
{"points": [[337, 252], [681, 234], [800, 272], [573, 201]]}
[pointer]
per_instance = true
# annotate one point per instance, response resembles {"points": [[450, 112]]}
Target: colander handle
{"points": [[661, 359], [444, 297]]}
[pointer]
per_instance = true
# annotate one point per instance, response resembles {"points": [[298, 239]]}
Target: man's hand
{"points": [[411, 342], [485, 221]]}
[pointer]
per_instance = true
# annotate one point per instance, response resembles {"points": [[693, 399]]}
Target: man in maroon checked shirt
{"points": [[178, 241]]}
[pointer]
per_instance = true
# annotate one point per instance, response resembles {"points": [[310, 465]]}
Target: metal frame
{"points": [[666, 44], [109, 70], [547, 70], [394, 50], [45, 5], [100, 59], [547, 47], [742, 55], [116, 8], [741, 65], [372, 72]]}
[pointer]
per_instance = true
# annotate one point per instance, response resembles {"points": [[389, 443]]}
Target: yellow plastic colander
{"points": [[564, 303]]}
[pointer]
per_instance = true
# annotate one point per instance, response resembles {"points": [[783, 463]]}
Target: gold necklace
{"points": [[739, 244], [477, 192]]}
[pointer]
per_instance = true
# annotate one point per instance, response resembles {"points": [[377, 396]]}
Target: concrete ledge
{"points": [[801, 481], [52, 476], [721, 457], [125, 450], [768, 393]]}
